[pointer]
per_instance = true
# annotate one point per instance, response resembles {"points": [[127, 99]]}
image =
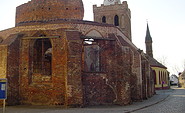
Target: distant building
{"points": [[161, 75], [174, 80]]}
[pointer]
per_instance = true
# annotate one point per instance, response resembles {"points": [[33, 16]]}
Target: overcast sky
{"points": [[166, 20]]}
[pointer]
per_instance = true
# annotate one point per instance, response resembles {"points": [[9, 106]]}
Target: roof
{"points": [[155, 63], [66, 21], [175, 76]]}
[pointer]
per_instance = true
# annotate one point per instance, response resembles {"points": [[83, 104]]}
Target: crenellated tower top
{"points": [[42, 10]]}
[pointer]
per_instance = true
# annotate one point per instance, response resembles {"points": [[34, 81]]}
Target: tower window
{"points": [[104, 19], [116, 20]]}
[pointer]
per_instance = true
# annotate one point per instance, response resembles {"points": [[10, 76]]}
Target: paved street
{"points": [[166, 101], [175, 103]]}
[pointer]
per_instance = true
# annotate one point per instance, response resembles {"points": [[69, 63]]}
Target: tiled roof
{"points": [[155, 63], [58, 21]]}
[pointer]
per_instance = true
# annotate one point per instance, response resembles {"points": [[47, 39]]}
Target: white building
{"points": [[174, 80]]}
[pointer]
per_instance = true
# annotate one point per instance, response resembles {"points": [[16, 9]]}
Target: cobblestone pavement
{"points": [[175, 103], [163, 100]]}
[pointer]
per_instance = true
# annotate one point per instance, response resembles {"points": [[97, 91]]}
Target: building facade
{"points": [[53, 57], [182, 79], [174, 80]]}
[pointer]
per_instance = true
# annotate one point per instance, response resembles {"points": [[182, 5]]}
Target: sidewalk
{"points": [[160, 96]]}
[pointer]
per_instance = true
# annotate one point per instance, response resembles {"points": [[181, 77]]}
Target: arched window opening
{"points": [[116, 20], [42, 56], [103, 19]]}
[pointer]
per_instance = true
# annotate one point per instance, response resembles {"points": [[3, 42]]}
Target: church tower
{"points": [[116, 13], [148, 42]]}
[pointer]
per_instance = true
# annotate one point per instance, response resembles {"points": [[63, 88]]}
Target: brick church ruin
{"points": [[53, 57]]}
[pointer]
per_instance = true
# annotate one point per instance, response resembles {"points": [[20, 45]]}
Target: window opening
{"points": [[42, 56], [104, 19], [91, 56], [116, 20]]}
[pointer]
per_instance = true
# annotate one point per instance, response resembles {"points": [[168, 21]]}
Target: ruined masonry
{"points": [[53, 57]]}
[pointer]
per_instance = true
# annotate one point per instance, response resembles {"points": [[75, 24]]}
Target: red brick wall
{"points": [[109, 11], [120, 78], [40, 92], [74, 60], [97, 90], [13, 70], [112, 84], [41, 10]]}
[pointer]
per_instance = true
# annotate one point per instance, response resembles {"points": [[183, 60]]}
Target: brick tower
{"points": [[116, 13], [48, 10]]}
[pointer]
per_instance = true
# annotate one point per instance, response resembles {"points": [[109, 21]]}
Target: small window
{"points": [[116, 20], [103, 19]]}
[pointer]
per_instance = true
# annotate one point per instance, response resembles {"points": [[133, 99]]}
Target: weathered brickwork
{"points": [[107, 13], [38, 10], [3, 61], [71, 62], [74, 62], [13, 69], [40, 90]]}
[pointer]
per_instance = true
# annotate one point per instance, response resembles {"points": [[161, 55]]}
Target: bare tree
{"points": [[183, 65], [163, 60], [179, 69], [176, 69]]}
